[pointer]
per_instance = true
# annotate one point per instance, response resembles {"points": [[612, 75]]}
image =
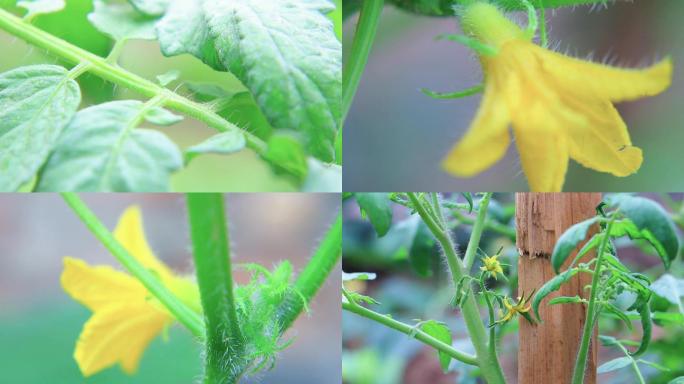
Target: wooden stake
{"points": [[548, 350]]}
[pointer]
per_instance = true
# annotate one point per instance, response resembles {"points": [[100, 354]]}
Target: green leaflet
{"points": [[550, 287], [284, 51], [568, 241], [151, 7], [650, 222], [284, 153], [223, 144], [121, 21], [36, 103], [36, 7], [377, 206], [614, 364], [101, 150], [670, 288], [442, 333], [239, 107], [646, 326], [169, 77], [322, 177]]}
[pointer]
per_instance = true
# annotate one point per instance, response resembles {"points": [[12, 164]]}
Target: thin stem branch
{"points": [[102, 68], [476, 234], [411, 331], [364, 37], [313, 276], [490, 367], [225, 342], [489, 224], [581, 362], [179, 310]]}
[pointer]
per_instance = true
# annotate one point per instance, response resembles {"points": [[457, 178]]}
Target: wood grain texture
{"points": [[547, 351]]}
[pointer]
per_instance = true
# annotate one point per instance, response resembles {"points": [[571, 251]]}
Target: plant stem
{"points": [[639, 376], [476, 234], [314, 274], [102, 68], [489, 224], [224, 340], [411, 331], [364, 37], [489, 365], [179, 310], [581, 362]]}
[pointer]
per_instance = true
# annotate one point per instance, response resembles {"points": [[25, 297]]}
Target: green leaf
{"points": [[286, 155], [322, 177], [151, 7], [36, 7], [169, 77], [36, 103], [670, 288], [224, 143], [358, 276], [677, 380], [377, 206], [101, 150], [568, 241], [617, 312], [647, 328], [652, 223], [469, 198], [422, 248], [442, 333], [654, 365], [566, 300], [614, 364], [284, 51], [549, 287], [121, 21], [239, 107]]}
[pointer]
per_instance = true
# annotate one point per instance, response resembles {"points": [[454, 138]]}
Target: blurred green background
{"points": [[39, 323], [414, 284], [243, 171], [396, 137]]}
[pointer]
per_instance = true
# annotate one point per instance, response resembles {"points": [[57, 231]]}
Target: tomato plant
{"points": [[469, 316]]}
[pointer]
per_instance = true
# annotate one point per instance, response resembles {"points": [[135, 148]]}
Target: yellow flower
{"points": [[514, 309], [560, 107], [492, 265], [125, 315]]}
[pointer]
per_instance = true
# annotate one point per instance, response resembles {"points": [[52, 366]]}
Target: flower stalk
{"points": [[182, 312]]}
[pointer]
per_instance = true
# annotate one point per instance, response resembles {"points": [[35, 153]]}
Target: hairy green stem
{"points": [[101, 67], [581, 362], [179, 310], [224, 340], [489, 365], [364, 37], [411, 331], [314, 274]]}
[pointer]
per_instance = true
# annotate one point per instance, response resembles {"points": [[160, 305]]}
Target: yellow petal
{"points": [[118, 334], [130, 233], [543, 150], [487, 139], [603, 81], [98, 287], [598, 137]]}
